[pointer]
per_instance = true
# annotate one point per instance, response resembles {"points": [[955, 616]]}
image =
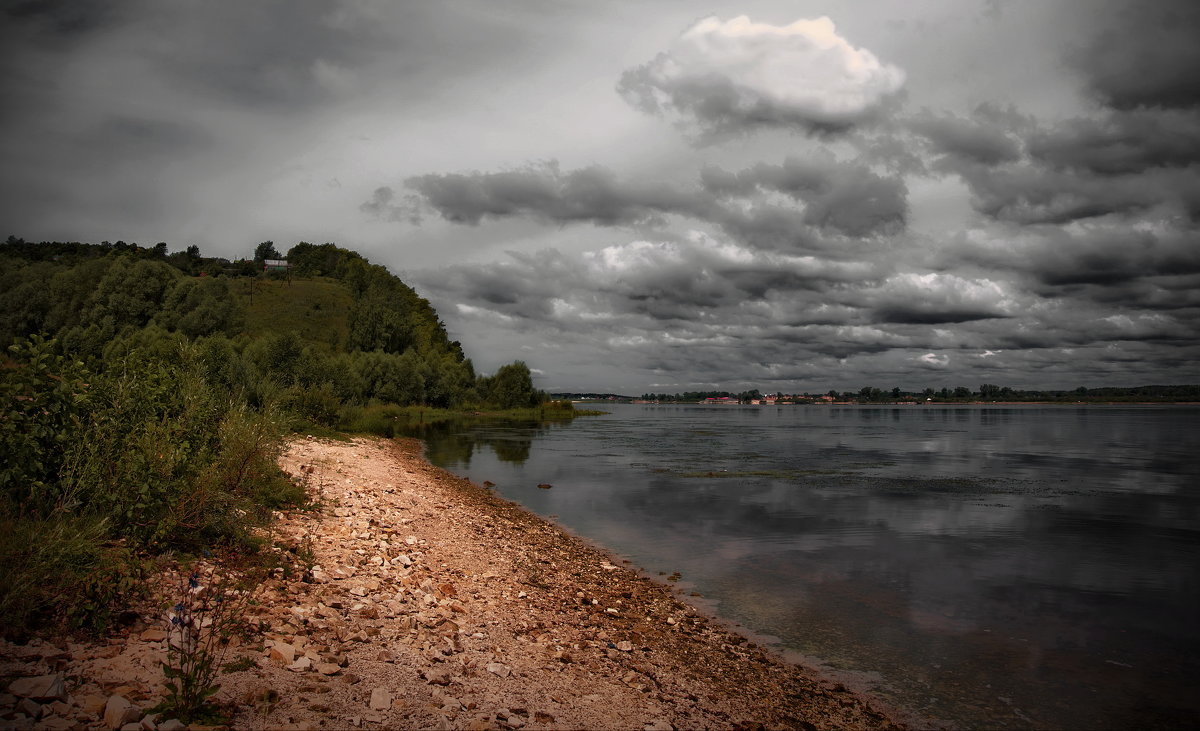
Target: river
{"points": [[980, 566]]}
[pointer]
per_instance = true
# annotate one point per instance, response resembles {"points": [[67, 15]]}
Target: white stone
{"points": [[301, 665], [118, 711]]}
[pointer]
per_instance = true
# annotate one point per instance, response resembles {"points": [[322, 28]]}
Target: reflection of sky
{"points": [[1029, 531]]}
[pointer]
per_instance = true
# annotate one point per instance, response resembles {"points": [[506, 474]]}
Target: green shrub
{"points": [[42, 396], [111, 582], [63, 570], [315, 404], [380, 420]]}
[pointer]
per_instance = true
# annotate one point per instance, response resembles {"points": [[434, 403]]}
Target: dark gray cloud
{"points": [[385, 205], [120, 140], [277, 52], [52, 20], [1034, 194], [1143, 54], [846, 198], [545, 193], [828, 198], [263, 53], [981, 139], [1123, 163], [1064, 262], [1121, 143]]}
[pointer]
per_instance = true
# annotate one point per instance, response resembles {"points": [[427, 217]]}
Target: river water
{"points": [[982, 566]]}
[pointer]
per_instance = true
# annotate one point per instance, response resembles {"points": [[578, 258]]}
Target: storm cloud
{"points": [[821, 197], [592, 194], [1143, 55]]}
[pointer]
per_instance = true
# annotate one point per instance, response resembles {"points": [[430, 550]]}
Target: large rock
{"points": [[283, 653], [381, 700], [40, 688], [119, 711]]}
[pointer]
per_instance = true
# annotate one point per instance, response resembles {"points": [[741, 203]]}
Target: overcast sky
{"points": [[659, 195]]}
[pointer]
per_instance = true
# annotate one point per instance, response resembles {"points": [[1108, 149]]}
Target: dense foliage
{"points": [[146, 395]]}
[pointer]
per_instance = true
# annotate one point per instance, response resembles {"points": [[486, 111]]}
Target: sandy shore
{"points": [[432, 603]]}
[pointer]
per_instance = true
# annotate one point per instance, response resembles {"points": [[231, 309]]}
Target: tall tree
{"points": [[266, 250]]}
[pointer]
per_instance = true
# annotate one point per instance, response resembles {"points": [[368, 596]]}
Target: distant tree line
{"points": [[987, 393], [697, 396]]}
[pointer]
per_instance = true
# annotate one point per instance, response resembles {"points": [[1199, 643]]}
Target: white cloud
{"points": [[738, 73]]}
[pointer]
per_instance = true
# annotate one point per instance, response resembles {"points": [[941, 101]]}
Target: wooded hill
{"points": [[339, 330]]}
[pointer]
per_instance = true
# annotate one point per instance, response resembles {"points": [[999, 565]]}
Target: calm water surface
{"points": [[994, 567]]}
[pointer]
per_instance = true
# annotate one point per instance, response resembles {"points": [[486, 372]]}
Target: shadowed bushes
{"points": [[101, 468]]}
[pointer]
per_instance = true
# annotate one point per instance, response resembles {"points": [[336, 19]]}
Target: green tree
{"points": [[512, 387], [199, 307], [266, 250], [989, 390], [130, 293]]}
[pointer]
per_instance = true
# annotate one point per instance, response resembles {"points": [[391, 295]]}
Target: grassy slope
{"points": [[317, 309]]}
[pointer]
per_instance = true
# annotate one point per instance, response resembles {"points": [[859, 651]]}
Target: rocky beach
{"points": [[426, 601]]}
